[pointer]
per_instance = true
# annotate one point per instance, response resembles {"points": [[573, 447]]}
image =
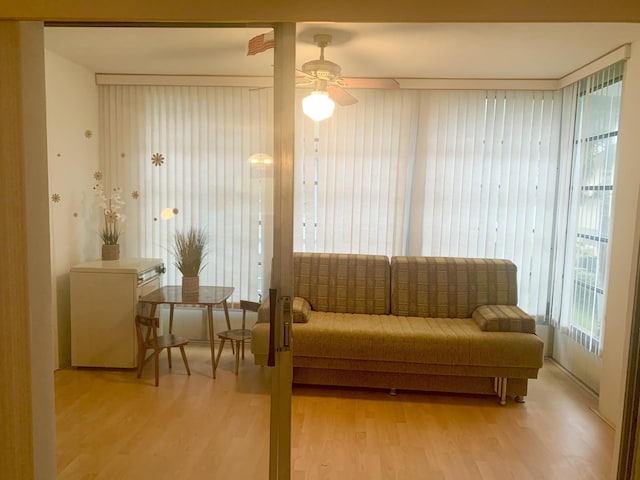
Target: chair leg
{"points": [[237, 355], [156, 357], [215, 365], [184, 359], [141, 354], [244, 318], [169, 356]]}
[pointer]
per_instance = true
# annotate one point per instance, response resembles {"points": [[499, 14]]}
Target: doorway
{"points": [[254, 196]]}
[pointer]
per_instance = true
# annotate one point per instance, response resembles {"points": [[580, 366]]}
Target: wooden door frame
{"points": [[282, 268], [629, 454]]}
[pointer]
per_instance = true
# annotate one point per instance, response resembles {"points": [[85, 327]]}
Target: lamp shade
{"points": [[260, 159], [318, 105], [167, 213]]}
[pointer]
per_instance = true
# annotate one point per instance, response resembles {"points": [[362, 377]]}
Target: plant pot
{"points": [[111, 252], [190, 286]]}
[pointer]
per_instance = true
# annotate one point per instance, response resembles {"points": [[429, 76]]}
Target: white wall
{"points": [[624, 247], [72, 109]]}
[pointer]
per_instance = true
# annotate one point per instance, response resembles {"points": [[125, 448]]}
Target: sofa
{"points": [[442, 324]]}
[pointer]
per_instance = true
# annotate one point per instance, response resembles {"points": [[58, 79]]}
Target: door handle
{"points": [[273, 299]]}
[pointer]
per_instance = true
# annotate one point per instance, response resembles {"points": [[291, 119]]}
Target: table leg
{"points": [[226, 316], [211, 339], [171, 318]]}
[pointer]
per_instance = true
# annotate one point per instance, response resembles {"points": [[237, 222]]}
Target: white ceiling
{"points": [[433, 50]]}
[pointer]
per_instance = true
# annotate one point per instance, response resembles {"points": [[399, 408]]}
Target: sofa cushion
{"points": [[450, 287], [503, 318], [344, 283], [390, 338]]}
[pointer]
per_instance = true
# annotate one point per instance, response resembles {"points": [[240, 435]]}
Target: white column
{"points": [[625, 240]]}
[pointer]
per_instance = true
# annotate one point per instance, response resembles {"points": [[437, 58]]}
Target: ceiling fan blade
{"points": [[383, 83], [304, 82], [301, 74], [341, 96]]}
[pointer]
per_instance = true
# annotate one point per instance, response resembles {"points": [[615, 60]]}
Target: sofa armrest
{"points": [[300, 311], [263, 312], [503, 318]]}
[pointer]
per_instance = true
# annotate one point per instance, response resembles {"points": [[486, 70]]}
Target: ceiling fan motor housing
{"points": [[323, 69]]}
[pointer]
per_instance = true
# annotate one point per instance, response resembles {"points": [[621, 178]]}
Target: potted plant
{"points": [[190, 250], [110, 232]]}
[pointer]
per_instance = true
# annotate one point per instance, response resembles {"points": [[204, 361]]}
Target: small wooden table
{"points": [[207, 297]]}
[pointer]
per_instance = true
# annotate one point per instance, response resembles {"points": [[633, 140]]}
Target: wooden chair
{"points": [[238, 336], [148, 339]]}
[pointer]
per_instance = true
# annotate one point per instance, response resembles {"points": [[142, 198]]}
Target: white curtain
{"points": [[460, 173], [201, 139]]}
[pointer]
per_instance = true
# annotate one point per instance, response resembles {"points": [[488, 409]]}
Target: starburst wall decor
{"points": [[157, 159]]}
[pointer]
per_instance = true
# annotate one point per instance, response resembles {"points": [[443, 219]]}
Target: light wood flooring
{"points": [[111, 425]]}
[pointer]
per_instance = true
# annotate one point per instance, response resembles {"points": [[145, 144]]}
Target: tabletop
{"points": [[172, 295]]}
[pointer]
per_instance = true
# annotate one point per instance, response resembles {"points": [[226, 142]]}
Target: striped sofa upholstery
{"points": [[450, 287], [343, 283]]}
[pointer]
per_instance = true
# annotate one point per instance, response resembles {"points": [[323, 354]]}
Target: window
{"points": [[593, 165], [402, 172]]}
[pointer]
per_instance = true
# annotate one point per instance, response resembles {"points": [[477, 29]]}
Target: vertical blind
{"points": [[583, 242], [352, 175], [461, 173], [188, 149], [454, 173]]}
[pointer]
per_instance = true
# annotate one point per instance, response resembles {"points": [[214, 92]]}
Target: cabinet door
{"points": [[102, 319]]}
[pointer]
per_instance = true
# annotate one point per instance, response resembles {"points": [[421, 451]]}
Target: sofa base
{"points": [[515, 387], [457, 382]]}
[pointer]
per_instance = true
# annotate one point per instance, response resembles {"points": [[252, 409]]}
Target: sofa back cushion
{"points": [[343, 283], [450, 287]]}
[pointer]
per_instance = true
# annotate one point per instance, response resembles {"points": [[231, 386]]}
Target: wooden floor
{"points": [[111, 425]]}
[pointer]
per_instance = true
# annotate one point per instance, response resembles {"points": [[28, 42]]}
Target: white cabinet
{"points": [[104, 301]]}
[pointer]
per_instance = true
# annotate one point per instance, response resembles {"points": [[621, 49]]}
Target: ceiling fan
{"points": [[328, 83]]}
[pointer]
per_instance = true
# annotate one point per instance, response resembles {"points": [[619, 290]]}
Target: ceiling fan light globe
{"points": [[318, 106]]}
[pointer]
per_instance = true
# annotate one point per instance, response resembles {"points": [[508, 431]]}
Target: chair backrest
{"points": [[147, 330], [248, 305]]}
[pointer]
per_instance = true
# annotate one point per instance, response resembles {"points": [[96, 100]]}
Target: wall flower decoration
{"points": [[56, 198], [97, 176], [157, 159]]}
